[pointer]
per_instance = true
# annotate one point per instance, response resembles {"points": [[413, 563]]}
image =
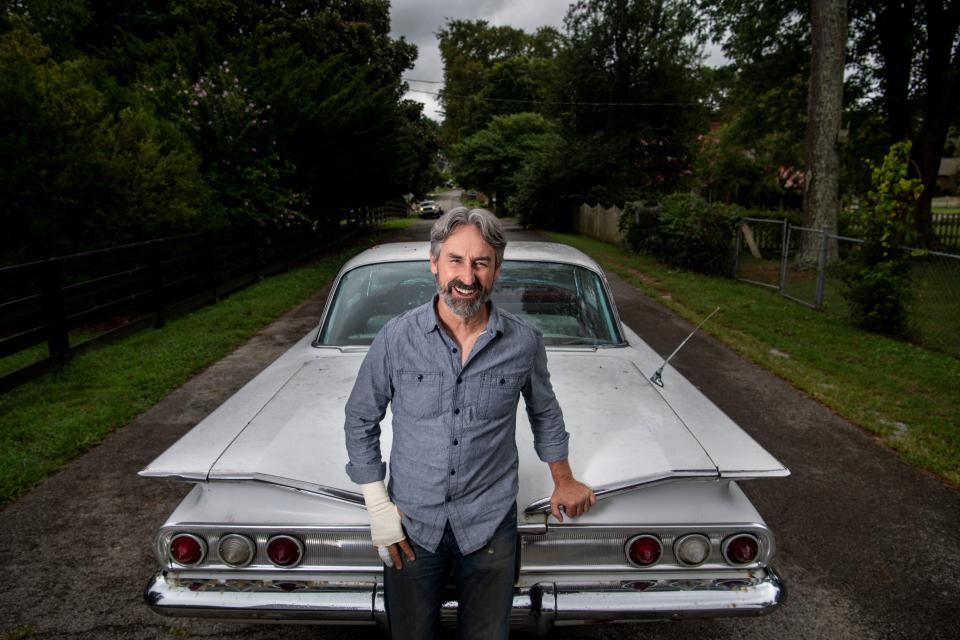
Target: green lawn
{"points": [[905, 394], [49, 421]]}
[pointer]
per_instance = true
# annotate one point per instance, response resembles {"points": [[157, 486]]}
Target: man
{"points": [[453, 371]]}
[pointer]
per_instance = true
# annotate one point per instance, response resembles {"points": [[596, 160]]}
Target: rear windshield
{"points": [[567, 303]]}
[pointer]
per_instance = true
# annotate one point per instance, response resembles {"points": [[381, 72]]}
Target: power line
{"points": [[423, 81], [562, 103]]}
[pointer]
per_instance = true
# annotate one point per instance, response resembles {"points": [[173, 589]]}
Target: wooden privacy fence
{"points": [[599, 222], [117, 291]]}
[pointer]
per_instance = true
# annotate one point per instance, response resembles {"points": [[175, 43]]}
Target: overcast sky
{"points": [[419, 20]]}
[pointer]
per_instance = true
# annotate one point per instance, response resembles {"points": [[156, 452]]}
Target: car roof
{"points": [[518, 250]]}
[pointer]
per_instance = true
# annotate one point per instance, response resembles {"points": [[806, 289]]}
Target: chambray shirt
{"points": [[454, 456]]}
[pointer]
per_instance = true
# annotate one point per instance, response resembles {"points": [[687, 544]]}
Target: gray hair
{"points": [[489, 225]]}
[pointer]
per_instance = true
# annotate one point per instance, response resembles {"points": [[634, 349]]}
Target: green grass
{"points": [[905, 394], [49, 421]]}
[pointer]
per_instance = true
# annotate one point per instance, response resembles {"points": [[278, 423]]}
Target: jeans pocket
{"points": [[418, 393]]}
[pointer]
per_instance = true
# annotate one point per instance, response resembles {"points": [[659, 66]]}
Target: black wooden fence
{"points": [[121, 290]]}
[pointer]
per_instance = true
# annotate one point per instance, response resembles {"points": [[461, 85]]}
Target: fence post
{"points": [[738, 247], [156, 281], [257, 251], [821, 267], [58, 342], [784, 255], [213, 267]]}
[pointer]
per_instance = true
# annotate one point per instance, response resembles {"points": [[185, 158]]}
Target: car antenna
{"points": [[656, 377]]}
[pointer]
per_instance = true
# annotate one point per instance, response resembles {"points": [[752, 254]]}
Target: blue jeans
{"points": [[484, 587]]}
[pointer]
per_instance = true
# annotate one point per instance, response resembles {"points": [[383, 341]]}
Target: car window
{"points": [[567, 303]]}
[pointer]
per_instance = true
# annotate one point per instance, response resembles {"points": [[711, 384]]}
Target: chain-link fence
{"points": [[807, 265]]}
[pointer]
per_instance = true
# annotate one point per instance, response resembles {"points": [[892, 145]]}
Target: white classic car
{"points": [[274, 529]]}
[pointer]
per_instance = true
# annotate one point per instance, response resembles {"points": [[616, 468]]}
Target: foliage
{"points": [[901, 76], [622, 86], [567, 172], [491, 70], [758, 175], [630, 73], [686, 231], [123, 119], [237, 148], [76, 174], [491, 158], [877, 274]]}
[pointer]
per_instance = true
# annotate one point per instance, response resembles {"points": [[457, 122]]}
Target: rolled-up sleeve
{"points": [[365, 409], [550, 437]]}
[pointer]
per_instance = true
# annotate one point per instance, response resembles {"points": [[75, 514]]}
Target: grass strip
{"points": [[49, 421], [903, 393]]}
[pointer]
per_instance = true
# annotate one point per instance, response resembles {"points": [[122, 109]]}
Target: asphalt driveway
{"points": [[869, 547]]}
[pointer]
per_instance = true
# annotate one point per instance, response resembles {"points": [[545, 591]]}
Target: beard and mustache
{"points": [[463, 308]]}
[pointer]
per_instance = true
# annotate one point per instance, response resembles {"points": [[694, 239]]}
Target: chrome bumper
{"points": [[535, 608]]}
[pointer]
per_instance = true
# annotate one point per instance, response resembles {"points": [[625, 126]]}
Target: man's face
{"points": [[465, 270]]}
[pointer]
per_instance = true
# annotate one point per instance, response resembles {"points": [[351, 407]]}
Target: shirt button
{"points": [[456, 442], [449, 498], [459, 380], [456, 412], [454, 350], [453, 472]]}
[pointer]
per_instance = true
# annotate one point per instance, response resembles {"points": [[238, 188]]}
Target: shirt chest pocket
{"points": [[498, 394], [419, 393]]}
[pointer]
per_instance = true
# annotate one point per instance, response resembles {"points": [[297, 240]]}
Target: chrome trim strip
{"points": [[536, 608], [543, 504]]}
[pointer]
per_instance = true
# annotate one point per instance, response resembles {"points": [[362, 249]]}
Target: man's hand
{"points": [[385, 529], [570, 496], [396, 558]]}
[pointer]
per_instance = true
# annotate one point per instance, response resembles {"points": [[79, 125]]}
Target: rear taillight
{"points": [[741, 549], [187, 549], [644, 550], [284, 551], [692, 550], [236, 550]]}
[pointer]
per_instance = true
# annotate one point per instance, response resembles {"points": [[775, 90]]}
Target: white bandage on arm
{"points": [[385, 528]]}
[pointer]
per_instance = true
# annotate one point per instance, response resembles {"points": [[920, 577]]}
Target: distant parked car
{"points": [[430, 209], [471, 195], [273, 528]]}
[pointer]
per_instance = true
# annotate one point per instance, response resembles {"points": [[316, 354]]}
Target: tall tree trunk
{"points": [[821, 188], [895, 42], [940, 108]]}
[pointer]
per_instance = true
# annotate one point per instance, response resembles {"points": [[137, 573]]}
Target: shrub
{"points": [[877, 273], [685, 231]]}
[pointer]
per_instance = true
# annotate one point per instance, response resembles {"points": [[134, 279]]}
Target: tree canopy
{"points": [[124, 119]]}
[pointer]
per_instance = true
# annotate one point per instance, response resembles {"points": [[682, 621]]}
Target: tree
{"points": [[73, 174], [629, 74], [491, 158], [904, 66], [283, 110], [821, 186], [491, 70]]}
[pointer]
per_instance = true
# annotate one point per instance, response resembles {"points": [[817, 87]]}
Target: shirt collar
{"points": [[429, 321]]}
